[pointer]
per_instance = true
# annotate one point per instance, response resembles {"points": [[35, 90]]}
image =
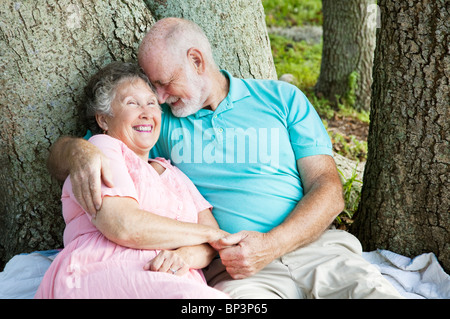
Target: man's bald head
{"points": [[174, 37]]}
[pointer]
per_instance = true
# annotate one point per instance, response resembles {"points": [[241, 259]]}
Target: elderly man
{"points": [[258, 152]]}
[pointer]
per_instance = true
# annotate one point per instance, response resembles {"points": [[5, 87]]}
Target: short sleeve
{"points": [[113, 149], [306, 130]]}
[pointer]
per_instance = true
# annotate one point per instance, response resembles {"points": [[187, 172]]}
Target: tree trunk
{"points": [[349, 30], [48, 50], [405, 203], [236, 29]]}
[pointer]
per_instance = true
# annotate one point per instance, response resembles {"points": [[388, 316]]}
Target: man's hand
{"points": [[245, 253], [87, 168]]}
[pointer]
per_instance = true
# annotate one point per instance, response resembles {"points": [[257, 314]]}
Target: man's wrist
{"points": [[274, 241]]}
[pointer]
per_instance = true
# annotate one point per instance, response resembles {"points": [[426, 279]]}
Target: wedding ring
{"points": [[173, 271]]}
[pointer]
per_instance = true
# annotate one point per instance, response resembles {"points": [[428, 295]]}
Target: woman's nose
{"points": [[146, 112]]}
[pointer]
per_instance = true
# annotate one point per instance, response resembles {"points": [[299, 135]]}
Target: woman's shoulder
{"points": [[109, 145], [103, 140]]}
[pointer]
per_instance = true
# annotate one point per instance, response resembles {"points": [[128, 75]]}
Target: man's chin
{"points": [[183, 111]]}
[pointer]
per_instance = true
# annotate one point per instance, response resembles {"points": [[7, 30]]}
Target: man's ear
{"points": [[195, 56], [102, 121]]}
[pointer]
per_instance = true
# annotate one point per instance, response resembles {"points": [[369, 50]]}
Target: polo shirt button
{"points": [[220, 130], [215, 116]]}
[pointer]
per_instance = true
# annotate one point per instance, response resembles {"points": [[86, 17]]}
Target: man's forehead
{"points": [[161, 70], [160, 74], [156, 67]]}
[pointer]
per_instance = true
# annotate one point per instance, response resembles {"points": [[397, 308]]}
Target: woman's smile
{"points": [[143, 128]]}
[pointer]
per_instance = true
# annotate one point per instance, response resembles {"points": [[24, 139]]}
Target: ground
{"points": [[348, 127]]}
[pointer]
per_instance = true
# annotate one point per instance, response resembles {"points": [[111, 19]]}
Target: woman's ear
{"points": [[102, 121], [195, 56]]}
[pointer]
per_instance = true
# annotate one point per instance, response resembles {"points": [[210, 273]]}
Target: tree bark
{"points": [[405, 201], [348, 47], [48, 50], [236, 29]]}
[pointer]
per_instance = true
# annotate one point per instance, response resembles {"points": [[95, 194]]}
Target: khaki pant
{"points": [[330, 267]]}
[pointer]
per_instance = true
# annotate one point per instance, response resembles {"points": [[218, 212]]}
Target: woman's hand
{"points": [[169, 261]]}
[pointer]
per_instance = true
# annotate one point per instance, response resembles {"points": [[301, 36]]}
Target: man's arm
{"points": [[322, 202], [87, 167], [247, 252]]}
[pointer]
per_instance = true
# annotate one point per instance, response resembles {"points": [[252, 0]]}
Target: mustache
{"points": [[172, 99]]}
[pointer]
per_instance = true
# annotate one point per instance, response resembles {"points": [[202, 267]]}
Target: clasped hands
{"points": [[243, 254]]}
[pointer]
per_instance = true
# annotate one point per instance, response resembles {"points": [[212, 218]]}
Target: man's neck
{"points": [[219, 90]]}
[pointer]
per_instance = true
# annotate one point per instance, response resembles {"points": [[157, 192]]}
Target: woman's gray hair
{"points": [[100, 90]]}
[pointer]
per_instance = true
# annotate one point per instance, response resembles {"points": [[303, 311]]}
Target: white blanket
{"points": [[421, 277], [23, 273]]}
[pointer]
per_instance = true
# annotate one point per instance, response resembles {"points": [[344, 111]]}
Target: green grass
{"points": [[297, 58], [288, 13]]}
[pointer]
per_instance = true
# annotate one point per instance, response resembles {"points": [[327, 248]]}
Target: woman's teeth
{"points": [[143, 128]]}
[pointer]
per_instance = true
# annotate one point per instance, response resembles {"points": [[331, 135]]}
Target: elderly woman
{"points": [[150, 237]]}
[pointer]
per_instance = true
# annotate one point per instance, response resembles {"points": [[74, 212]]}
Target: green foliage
{"points": [[352, 194], [349, 146], [346, 109], [288, 13], [353, 85], [300, 59]]}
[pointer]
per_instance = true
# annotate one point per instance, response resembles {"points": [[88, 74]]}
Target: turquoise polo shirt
{"points": [[242, 157]]}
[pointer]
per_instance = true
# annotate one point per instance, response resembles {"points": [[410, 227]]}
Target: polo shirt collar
{"points": [[237, 91]]}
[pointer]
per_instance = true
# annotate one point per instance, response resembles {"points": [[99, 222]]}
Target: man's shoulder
{"points": [[271, 85], [280, 93]]}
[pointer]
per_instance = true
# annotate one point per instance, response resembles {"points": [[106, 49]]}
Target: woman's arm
{"points": [[201, 255], [122, 221], [188, 257]]}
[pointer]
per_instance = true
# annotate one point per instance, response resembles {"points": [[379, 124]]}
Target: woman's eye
{"points": [[152, 103]]}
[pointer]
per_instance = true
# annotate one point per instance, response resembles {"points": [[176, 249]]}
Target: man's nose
{"points": [[162, 95]]}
